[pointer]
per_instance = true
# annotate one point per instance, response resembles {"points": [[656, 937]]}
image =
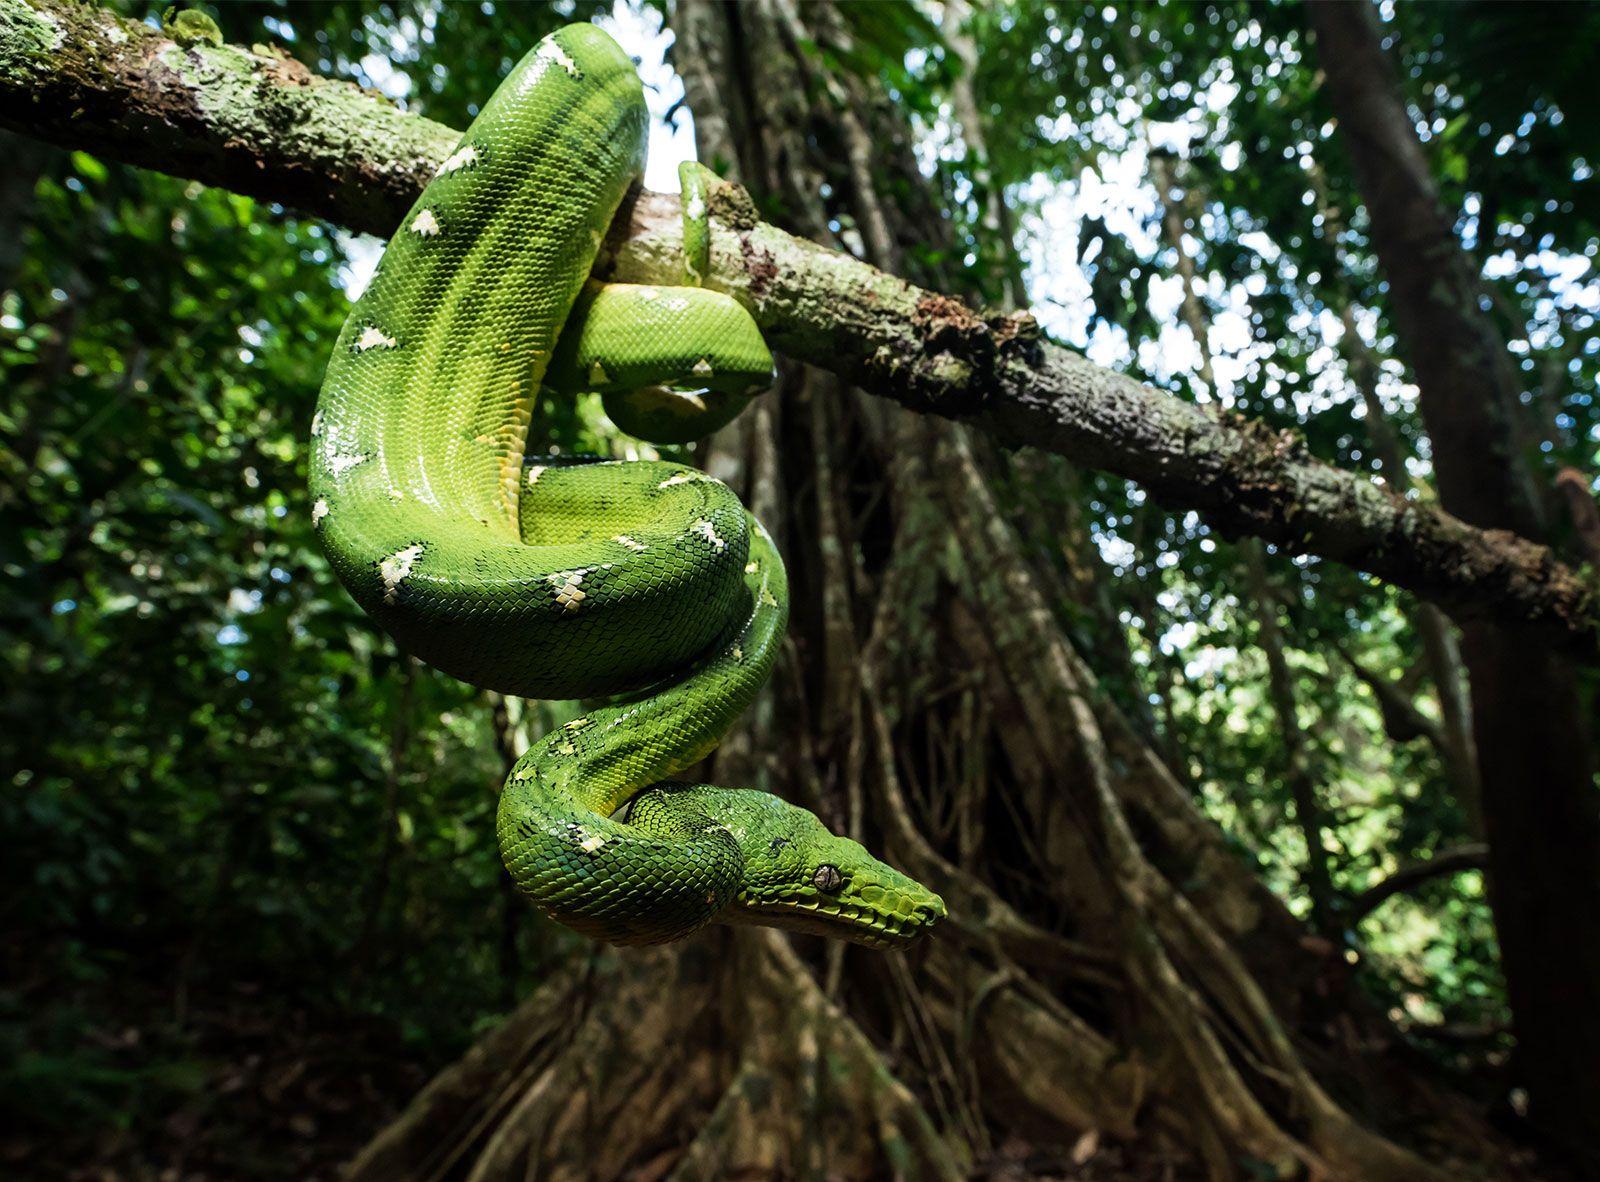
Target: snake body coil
{"points": [[644, 581]]}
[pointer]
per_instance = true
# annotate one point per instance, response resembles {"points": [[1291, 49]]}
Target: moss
{"points": [[25, 37], [190, 26], [732, 204], [946, 370]]}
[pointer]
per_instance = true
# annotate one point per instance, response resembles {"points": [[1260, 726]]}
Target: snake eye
{"points": [[827, 879]]}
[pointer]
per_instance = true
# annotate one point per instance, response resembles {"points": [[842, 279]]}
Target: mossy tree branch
{"points": [[257, 122]]}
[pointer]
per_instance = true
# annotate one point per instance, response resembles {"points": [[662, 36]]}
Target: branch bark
{"points": [[260, 123]]}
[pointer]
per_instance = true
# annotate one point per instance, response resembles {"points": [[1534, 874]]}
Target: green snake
{"points": [[646, 585]]}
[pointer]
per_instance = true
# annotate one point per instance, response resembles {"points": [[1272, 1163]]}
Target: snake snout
{"points": [[799, 876]]}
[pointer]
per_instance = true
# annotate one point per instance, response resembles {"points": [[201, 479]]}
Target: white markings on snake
{"points": [[569, 597], [631, 543], [623, 717], [552, 51], [340, 463], [396, 568], [425, 225], [708, 531], [319, 511], [373, 337], [466, 154], [548, 54], [534, 472], [702, 368]]}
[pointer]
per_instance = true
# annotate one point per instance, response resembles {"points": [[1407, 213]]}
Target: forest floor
{"points": [[123, 1076], [136, 1084]]}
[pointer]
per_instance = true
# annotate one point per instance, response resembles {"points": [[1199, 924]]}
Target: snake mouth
{"points": [[840, 920]]}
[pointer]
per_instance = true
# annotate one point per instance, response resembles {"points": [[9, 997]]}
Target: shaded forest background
{"points": [[1210, 817]]}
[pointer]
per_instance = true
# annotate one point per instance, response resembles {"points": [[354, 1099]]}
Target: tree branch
{"points": [[260, 123], [1402, 721], [1473, 856]]}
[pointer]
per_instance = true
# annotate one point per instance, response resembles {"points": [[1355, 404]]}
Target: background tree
{"points": [[1534, 728]]}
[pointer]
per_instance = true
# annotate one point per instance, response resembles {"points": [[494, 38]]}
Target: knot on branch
{"points": [[1268, 444], [190, 27], [960, 354], [730, 203], [759, 265], [942, 321], [281, 67], [1267, 499]]}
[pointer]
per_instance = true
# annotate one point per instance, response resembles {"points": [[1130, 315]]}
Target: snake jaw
{"points": [[822, 917]]}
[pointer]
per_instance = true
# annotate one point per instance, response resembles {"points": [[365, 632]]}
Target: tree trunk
{"points": [[1305, 792], [1454, 738], [999, 265], [1582, 511], [1540, 806]]}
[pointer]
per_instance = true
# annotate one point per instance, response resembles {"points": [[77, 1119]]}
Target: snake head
{"points": [[800, 876]]}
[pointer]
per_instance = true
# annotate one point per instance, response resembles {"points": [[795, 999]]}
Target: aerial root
{"points": [[718, 1058], [810, 1095]]}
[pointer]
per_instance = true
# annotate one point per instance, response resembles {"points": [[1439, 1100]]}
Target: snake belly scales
{"points": [[646, 585]]}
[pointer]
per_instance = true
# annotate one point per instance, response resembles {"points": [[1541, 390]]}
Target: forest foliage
{"points": [[239, 823]]}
